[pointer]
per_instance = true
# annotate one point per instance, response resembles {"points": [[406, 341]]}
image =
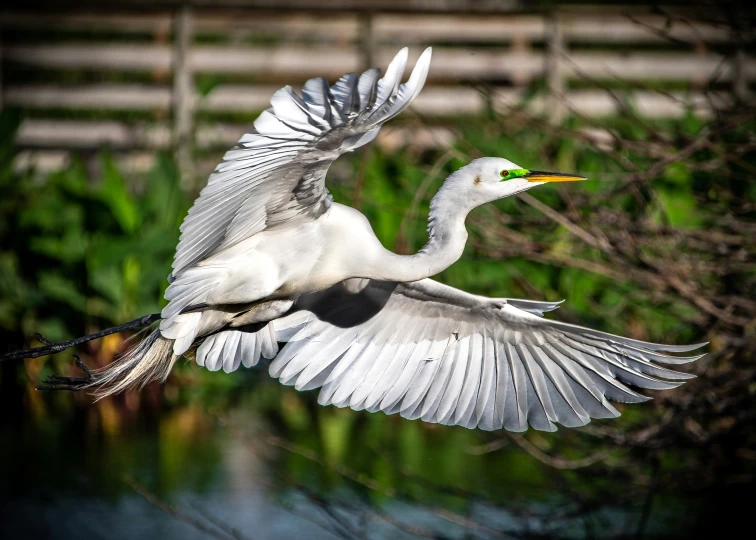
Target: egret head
{"points": [[488, 179]]}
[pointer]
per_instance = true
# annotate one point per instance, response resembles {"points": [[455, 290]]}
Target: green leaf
{"points": [[58, 288], [207, 83], [114, 194], [679, 208]]}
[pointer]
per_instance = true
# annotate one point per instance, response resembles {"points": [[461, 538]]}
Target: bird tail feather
{"points": [[150, 360]]}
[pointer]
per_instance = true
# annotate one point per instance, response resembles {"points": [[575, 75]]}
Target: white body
{"points": [[293, 260]]}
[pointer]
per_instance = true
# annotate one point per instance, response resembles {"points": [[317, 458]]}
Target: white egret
{"points": [[267, 257]]}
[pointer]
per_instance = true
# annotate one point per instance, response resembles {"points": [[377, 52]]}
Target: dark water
{"points": [[262, 461]]}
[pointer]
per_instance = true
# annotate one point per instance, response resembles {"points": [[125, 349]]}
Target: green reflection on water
{"points": [[422, 475]]}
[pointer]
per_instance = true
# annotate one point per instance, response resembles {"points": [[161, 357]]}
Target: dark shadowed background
{"points": [[112, 117]]}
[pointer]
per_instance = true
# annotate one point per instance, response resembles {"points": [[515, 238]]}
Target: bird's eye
{"points": [[504, 174]]}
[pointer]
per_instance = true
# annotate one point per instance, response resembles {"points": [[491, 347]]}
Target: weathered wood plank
{"points": [[434, 101], [83, 135], [598, 27], [39, 133], [125, 97], [183, 93], [449, 63]]}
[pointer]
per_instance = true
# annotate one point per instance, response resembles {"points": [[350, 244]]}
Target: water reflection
{"points": [[262, 461]]}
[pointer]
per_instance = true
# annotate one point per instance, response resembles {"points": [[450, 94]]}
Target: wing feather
{"points": [[486, 402], [283, 161], [466, 406], [440, 381], [396, 393], [231, 355], [453, 389], [424, 377], [391, 376], [247, 347], [428, 351], [425, 350]]}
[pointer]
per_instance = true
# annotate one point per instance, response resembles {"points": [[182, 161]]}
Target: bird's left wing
{"points": [[430, 351], [276, 172]]}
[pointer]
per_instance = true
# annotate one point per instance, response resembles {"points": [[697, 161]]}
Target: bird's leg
{"points": [[58, 382], [262, 312], [52, 348]]}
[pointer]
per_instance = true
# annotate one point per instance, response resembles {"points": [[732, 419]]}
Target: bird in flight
{"points": [[268, 265]]}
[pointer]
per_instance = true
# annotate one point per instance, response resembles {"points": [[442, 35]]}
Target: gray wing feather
{"points": [[451, 391], [231, 353], [247, 349], [213, 358], [466, 407], [429, 366], [440, 381], [368, 88], [333, 380], [376, 369], [425, 350], [353, 377], [320, 362], [345, 95], [268, 342], [512, 403], [398, 389], [231, 348], [391, 377], [393, 352]]}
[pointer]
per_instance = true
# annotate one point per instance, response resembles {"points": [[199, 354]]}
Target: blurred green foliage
{"points": [[83, 248], [88, 247]]}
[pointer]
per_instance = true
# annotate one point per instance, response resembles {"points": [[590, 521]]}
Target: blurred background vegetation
{"points": [[658, 246]]}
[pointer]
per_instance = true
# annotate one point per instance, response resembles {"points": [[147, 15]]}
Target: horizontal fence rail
{"points": [[66, 69], [596, 27], [434, 101], [449, 64]]}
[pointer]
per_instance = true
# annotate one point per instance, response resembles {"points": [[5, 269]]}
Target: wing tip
{"points": [[678, 360], [420, 71], [682, 348], [400, 58], [426, 55]]}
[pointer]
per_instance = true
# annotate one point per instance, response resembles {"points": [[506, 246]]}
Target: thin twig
{"points": [[176, 512], [648, 502], [343, 471], [584, 235], [231, 531], [554, 461], [405, 239]]}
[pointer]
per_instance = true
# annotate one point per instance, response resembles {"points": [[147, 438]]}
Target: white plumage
{"points": [[266, 257], [428, 351]]}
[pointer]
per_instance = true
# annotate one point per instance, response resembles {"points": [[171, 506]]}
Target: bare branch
{"points": [[178, 513]]}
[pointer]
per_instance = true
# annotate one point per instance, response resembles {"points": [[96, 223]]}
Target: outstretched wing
{"points": [[430, 351], [277, 171]]}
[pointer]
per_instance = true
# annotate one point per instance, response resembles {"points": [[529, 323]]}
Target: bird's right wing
{"points": [[276, 172], [426, 350]]}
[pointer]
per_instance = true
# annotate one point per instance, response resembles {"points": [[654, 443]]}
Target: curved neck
{"points": [[446, 242]]}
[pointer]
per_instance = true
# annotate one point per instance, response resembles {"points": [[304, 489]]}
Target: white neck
{"points": [[446, 242]]}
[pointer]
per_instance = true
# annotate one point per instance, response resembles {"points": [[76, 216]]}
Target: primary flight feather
{"points": [[266, 257]]}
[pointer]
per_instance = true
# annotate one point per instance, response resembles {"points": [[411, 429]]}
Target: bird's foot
{"points": [[58, 382]]}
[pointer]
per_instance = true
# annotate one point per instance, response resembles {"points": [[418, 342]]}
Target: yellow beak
{"points": [[542, 176]]}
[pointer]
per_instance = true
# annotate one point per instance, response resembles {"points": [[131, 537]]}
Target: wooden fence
{"points": [[146, 70]]}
